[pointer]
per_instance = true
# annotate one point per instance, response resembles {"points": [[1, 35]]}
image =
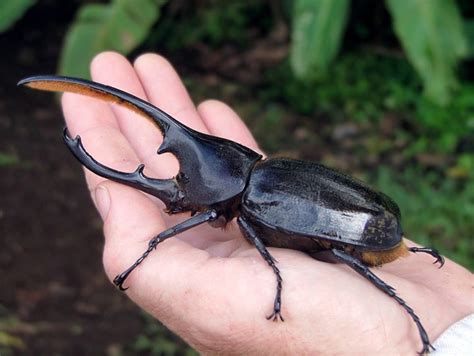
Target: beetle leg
{"points": [[194, 221], [252, 237], [363, 270], [164, 189], [433, 252]]}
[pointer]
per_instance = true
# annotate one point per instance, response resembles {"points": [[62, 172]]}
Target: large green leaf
{"points": [[120, 26], [469, 30], [318, 26], [431, 33], [12, 10]]}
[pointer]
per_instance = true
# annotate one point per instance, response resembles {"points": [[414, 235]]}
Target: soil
{"points": [[55, 298]]}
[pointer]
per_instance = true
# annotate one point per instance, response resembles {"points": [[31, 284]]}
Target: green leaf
{"points": [[12, 10], [469, 30], [318, 26], [431, 33], [12, 341], [8, 159], [119, 26]]}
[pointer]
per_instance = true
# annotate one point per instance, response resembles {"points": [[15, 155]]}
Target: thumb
{"points": [[131, 219]]}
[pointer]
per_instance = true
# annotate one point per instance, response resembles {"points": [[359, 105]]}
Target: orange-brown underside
{"points": [[83, 90], [377, 258]]}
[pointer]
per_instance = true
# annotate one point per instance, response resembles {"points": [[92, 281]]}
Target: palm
{"points": [[209, 285]]}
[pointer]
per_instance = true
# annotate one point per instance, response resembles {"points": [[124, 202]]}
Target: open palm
{"points": [[209, 285]]}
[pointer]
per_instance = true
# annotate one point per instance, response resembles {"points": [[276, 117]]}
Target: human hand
{"points": [[209, 285]]}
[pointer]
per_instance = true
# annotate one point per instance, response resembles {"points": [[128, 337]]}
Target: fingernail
{"points": [[102, 201]]}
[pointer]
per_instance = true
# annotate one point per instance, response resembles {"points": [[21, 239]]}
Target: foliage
{"points": [[120, 25], [157, 340], [435, 210], [431, 33], [11, 11], [316, 34], [450, 124], [212, 24], [364, 87], [8, 159], [469, 30], [8, 341], [355, 87]]}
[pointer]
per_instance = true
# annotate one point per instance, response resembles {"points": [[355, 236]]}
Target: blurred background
{"points": [[382, 90]]}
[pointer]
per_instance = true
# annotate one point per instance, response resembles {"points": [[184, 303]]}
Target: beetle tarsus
{"points": [[431, 251], [276, 312], [275, 316], [120, 279], [363, 270], [253, 238]]}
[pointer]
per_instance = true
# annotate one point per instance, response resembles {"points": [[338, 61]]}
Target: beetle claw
{"points": [[275, 316], [431, 251], [440, 260], [427, 348], [118, 281]]}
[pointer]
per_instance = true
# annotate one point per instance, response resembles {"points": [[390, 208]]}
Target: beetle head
{"points": [[212, 170]]}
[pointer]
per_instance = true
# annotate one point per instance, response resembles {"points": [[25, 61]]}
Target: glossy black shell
{"points": [[311, 202], [291, 204]]}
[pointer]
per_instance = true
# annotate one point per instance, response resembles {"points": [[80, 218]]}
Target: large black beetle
{"points": [[277, 202]]}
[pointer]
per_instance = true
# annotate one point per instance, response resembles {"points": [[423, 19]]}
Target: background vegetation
{"points": [[382, 90]]}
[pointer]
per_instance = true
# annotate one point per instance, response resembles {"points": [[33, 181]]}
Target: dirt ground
{"points": [[54, 295]]}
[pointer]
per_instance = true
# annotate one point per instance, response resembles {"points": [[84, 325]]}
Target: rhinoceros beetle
{"points": [[277, 202]]}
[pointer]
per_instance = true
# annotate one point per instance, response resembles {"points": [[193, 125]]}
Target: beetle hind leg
{"points": [[431, 251], [252, 237], [364, 270]]}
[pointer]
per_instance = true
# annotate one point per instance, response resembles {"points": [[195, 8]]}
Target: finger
{"points": [[83, 113], [113, 69], [222, 121], [165, 90]]}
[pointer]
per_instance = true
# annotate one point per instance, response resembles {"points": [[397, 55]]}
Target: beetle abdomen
{"points": [[307, 199]]}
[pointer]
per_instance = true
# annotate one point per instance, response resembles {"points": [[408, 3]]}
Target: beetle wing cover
{"points": [[310, 199]]}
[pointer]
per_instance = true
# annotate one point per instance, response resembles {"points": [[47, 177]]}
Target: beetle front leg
{"points": [[252, 237], [363, 270], [194, 221]]}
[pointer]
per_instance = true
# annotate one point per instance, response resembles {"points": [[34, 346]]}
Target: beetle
{"points": [[277, 202]]}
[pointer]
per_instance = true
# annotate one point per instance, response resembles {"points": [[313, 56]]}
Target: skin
{"points": [[209, 285]]}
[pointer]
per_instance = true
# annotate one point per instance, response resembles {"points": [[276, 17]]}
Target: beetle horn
{"points": [[102, 92], [212, 169]]}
